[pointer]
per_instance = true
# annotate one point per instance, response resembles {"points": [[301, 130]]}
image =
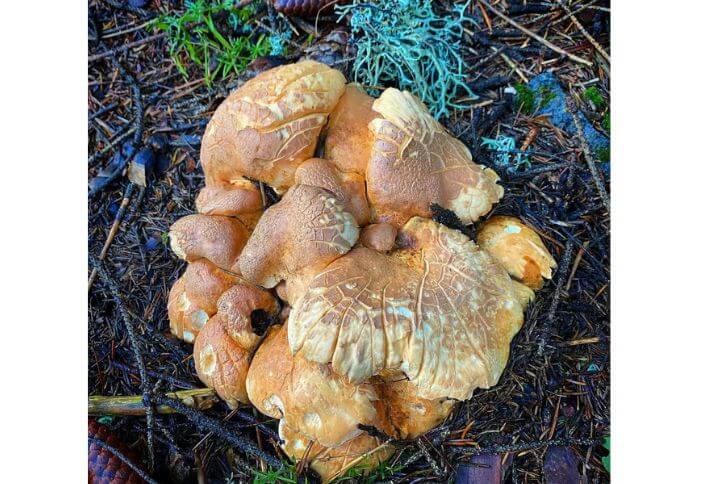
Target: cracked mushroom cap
{"points": [[440, 310], [415, 163], [363, 452], [518, 248], [307, 229], [310, 397], [225, 345], [267, 127], [240, 200], [193, 298], [348, 188], [379, 237], [348, 138], [213, 237]]}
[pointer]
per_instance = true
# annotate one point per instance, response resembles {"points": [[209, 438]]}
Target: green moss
{"points": [[196, 35], [607, 122], [592, 94], [525, 99], [361, 474], [405, 43], [273, 476], [603, 154], [547, 95]]}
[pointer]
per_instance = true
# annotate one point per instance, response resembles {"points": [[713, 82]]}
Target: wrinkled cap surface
{"points": [[415, 163], [305, 230], [442, 311], [267, 127], [215, 238]]}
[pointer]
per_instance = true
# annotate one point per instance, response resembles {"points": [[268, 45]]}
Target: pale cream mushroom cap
{"points": [[518, 248], [193, 298], [440, 310], [267, 127], [415, 163]]}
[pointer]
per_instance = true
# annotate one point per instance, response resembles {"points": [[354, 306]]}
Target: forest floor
{"points": [[549, 412]]}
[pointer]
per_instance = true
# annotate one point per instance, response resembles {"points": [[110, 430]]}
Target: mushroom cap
{"points": [[410, 415], [440, 310], [518, 248], [241, 199], [193, 297], [363, 451], [415, 163], [313, 399], [235, 309], [348, 188], [213, 237], [267, 127], [348, 138], [379, 237], [307, 229], [221, 363]]}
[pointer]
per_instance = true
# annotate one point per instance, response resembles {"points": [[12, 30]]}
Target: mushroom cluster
{"points": [[388, 317]]}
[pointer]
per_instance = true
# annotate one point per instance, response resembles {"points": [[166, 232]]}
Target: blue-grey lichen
{"points": [[505, 153], [405, 43]]}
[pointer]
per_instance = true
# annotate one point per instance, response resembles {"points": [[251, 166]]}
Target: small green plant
{"points": [[603, 154], [592, 94], [272, 476], [525, 99], [607, 122], [407, 44], [605, 460], [360, 474], [197, 35], [547, 95]]}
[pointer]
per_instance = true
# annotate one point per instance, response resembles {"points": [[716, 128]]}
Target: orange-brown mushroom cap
{"points": [[304, 231], [241, 199], [213, 237], [348, 138], [235, 309], [348, 188], [364, 452], [441, 310], [268, 126], [379, 237], [193, 298], [312, 398], [518, 248], [409, 415], [415, 163], [221, 363]]}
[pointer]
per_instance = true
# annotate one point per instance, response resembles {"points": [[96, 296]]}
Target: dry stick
{"points": [[591, 39], [126, 317], [112, 232], [577, 260], [563, 267], [199, 398], [570, 104], [501, 449], [204, 422], [125, 47], [537, 37], [123, 458]]}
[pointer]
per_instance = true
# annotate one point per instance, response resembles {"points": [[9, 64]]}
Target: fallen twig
{"points": [[199, 398], [537, 37]]}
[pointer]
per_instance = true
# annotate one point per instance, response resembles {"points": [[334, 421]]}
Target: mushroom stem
{"points": [[199, 398]]}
